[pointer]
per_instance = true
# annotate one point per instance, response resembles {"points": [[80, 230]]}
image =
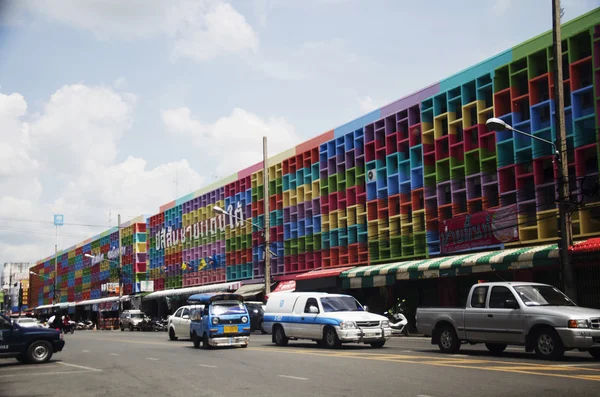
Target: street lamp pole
{"points": [[267, 225], [268, 251], [120, 269], [565, 231]]}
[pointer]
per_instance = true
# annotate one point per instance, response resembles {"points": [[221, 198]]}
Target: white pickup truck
{"points": [[536, 316], [328, 319]]}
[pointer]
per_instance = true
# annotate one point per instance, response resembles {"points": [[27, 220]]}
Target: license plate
{"points": [[230, 329]]}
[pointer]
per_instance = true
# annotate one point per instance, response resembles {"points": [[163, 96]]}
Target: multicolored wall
{"points": [[383, 187], [378, 188], [81, 277]]}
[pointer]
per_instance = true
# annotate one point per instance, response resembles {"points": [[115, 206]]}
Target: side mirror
{"points": [[186, 317], [511, 304], [313, 310], [366, 308]]}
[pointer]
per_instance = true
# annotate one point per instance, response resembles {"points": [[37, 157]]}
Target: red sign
{"points": [[481, 229], [285, 286]]}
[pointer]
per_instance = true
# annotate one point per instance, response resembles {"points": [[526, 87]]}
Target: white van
{"points": [[328, 319], [179, 322]]}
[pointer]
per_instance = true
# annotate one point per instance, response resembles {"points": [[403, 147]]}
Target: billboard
{"points": [[481, 229]]}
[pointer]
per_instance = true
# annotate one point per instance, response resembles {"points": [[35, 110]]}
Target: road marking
{"points": [[423, 395], [85, 351], [500, 366], [207, 366], [29, 374], [152, 358], [292, 377], [114, 354], [79, 366], [580, 365]]}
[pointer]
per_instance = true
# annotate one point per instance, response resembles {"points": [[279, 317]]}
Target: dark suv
{"points": [[33, 345], [257, 312]]}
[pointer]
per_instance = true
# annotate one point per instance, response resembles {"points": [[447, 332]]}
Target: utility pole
{"points": [[120, 268], [54, 295], [266, 226], [567, 273]]}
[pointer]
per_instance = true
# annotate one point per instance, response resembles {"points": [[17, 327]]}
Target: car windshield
{"points": [[227, 308], [542, 295], [340, 304]]}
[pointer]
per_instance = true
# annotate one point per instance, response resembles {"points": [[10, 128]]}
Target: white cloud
{"points": [[76, 136], [200, 30], [80, 127], [233, 142], [205, 31]]}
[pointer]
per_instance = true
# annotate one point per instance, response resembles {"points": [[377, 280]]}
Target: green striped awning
{"points": [[481, 262]]}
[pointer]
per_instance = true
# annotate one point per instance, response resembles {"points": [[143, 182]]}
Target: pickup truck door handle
{"points": [[490, 315]]}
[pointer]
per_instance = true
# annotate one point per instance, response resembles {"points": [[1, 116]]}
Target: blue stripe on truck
{"points": [[298, 320]]}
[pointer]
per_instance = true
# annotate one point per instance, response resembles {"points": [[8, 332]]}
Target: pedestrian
{"points": [[57, 323]]}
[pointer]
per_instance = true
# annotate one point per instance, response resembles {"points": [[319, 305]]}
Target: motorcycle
{"points": [[397, 319]]}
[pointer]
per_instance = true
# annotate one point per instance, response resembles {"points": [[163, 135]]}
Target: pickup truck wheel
{"points": [[448, 341], [280, 338], [495, 348], [595, 352], [378, 345], [195, 340], [548, 345], [330, 338], [172, 334], [122, 328], [39, 352]]}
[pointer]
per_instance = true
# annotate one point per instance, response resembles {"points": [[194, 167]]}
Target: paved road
{"points": [[112, 363]]}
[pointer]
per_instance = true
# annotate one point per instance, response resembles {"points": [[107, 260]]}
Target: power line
{"points": [[52, 223]]}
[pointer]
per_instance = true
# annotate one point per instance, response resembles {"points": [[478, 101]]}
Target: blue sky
{"points": [[105, 103]]}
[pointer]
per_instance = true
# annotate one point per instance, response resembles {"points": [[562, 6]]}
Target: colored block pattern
{"points": [[81, 278], [376, 189]]}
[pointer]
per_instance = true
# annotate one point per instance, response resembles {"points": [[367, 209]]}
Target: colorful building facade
{"points": [[420, 178], [81, 277]]}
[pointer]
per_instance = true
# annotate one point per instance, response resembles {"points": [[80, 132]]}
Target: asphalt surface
{"points": [[114, 363]]}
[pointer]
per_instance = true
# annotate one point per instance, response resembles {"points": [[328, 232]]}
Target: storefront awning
{"points": [[101, 300], [481, 262], [194, 290], [322, 273], [591, 246], [250, 290]]}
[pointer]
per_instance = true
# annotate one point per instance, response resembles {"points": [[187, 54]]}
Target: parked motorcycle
{"points": [[397, 319]]}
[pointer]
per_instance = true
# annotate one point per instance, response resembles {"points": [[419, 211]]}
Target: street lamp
{"points": [[500, 125], [268, 252], [497, 124]]}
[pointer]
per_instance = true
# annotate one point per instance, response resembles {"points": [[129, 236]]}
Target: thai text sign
{"points": [[493, 227]]}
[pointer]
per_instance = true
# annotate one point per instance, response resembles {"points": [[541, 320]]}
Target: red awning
{"points": [[322, 273], [585, 247]]}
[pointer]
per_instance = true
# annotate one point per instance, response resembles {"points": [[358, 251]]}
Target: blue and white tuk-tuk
{"points": [[224, 321]]}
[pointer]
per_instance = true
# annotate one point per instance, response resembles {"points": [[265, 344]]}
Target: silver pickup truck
{"points": [[536, 316]]}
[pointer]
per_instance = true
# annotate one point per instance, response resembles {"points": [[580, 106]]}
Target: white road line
{"points": [[29, 374], [152, 358], [114, 354], [79, 366], [423, 395], [207, 366], [85, 351], [292, 377]]}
